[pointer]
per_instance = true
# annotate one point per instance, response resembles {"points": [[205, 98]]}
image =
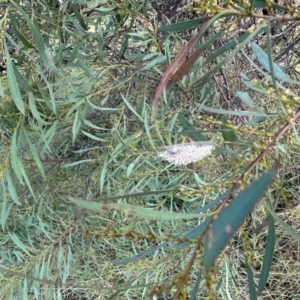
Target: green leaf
{"points": [[190, 130], [131, 108], [206, 76], [1, 89], [11, 188], [4, 209], [250, 85], [78, 162], [289, 230], [236, 113], [88, 72], [78, 16], [264, 61], [12, 83], [15, 239], [51, 93], [25, 42], [154, 62], [34, 110], [262, 4], [36, 33], [22, 80], [251, 283], [269, 254], [93, 137], [244, 96], [76, 126], [232, 217], [182, 25], [193, 293], [228, 133], [15, 161], [140, 212], [227, 47], [35, 155], [103, 175]]}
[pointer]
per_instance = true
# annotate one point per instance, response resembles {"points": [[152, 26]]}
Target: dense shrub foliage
{"points": [[93, 96]]}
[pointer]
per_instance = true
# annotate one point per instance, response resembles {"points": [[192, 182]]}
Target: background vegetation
{"points": [[88, 210]]}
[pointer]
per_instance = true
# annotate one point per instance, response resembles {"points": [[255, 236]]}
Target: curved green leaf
{"points": [[183, 25], [244, 96], [25, 42], [205, 77], [138, 211], [12, 82], [264, 60], [11, 188], [154, 62], [269, 254], [190, 130], [251, 284], [232, 217]]}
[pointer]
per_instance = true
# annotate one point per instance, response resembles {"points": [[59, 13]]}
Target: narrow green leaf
{"points": [[22, 169], [233, 53], [140, 212], [11, 188], [150, 55], [269, 51], [227, 47], [25, 42], [251, 283], [183, 25], [36, 33], [22, 80], [232, 217], [15, 161], [244, 96], [75, 163], [269, 254], [88, 72], [14, 238], [50, 90], [228, 133], [262, 4], [250, 85], [123, 47], [75, 107], [78, 16], [103, 175], [76, 126], [131, 108], [1, 89], [12, 83], [193, 293], [48, 136], [190, 130], [34, 110], [35, 155], [100, 42], [264, 61], [236, 113], [289, 230], [154, 62], [130, 168], [4, 209], [90, 124], [93, 137]]}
